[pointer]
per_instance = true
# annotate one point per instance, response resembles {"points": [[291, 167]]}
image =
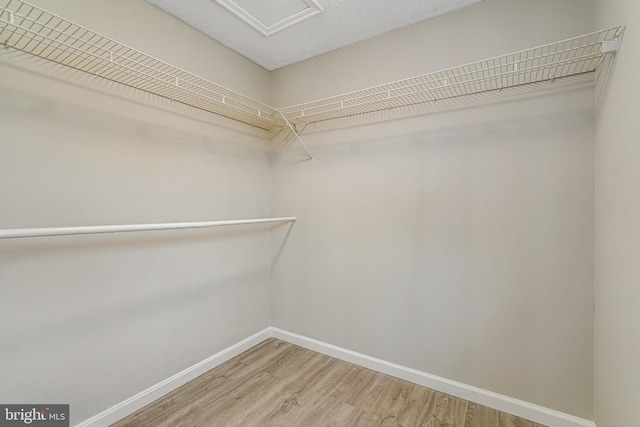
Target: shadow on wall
{"points": [[336, 139], [72, 328], [142, 115], [604, 76]]}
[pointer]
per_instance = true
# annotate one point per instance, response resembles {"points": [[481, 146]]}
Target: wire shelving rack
{"points": [[568, 62], [33, 30]]}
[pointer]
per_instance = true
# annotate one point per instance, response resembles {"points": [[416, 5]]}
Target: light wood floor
{"points": [[279, 384]]}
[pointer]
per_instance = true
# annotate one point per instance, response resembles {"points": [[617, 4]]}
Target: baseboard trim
{"points": [[539, 414], [129, 406], [503, 403]]}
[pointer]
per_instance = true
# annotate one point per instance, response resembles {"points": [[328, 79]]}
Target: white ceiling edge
{"points": [[340, 24]]}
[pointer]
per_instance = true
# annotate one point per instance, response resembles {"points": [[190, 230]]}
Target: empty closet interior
{"points": [[439, 198]]}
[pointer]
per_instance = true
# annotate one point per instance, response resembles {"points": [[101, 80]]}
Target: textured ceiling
{"points": [[341, 23]]}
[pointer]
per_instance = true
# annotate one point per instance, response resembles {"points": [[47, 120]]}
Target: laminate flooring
{"points": [[280, 384]]}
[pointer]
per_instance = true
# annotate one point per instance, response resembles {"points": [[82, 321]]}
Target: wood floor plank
{"points": [[508, 420], [280, 384], [480, 416], [347, 415], [416, 404], [293, 391]]}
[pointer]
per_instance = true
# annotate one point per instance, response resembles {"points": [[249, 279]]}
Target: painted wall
{"points": [[458, 243], [93, 320], [617, 225]]}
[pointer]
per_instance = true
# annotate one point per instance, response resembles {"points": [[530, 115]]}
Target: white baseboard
{"points": [[129, 406], [503, 403], [539, 414]]}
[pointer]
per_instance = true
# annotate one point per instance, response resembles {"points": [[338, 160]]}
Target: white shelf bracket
{"points": [[296, 135], [610, 45]]}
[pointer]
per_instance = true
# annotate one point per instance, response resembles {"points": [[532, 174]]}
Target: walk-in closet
{"points": [[409, 213]]}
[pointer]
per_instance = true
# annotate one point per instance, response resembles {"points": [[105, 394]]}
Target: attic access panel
{"points": [[270, 17]]}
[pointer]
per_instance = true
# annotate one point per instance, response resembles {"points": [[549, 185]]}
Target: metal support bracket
{"points": [[610, 45], [296, 135]]}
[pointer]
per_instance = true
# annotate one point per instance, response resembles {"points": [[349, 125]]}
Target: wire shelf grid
{"points": [[33, 30], [566, 62]]}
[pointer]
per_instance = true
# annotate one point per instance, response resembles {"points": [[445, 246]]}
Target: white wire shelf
{"points": [[33, 30], [567, 62]]}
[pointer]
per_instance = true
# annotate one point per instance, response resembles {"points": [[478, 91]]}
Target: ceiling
{"points": [[275, 33]]}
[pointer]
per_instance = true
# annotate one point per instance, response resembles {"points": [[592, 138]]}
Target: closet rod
{"points": [[12, 233]]}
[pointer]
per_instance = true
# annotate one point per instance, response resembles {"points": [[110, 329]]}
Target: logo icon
{"points": [[34, 415]]}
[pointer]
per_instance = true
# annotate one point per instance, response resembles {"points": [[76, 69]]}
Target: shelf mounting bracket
{"points": [[293, 130], [610, 45]]}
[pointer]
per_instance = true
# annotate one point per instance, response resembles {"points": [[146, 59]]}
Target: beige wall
{"points": [[458, 243], [617, 266], [93, 320]]}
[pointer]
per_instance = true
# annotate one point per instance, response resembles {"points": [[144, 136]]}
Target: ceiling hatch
{"points": [[269, 17]]}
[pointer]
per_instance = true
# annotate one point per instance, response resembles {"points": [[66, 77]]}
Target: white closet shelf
{"points": [[33, 30], [562, 63]]}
